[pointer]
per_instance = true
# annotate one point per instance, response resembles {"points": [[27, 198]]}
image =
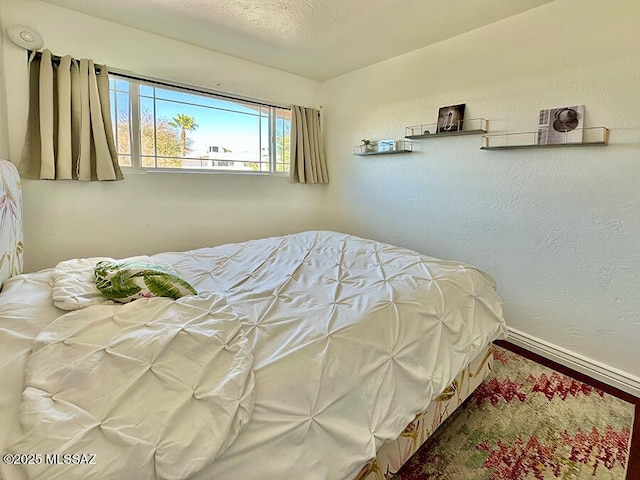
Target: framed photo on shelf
{"points": [[450, 118], [561, 125], [386, 145]]}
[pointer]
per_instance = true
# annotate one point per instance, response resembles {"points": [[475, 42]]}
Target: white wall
{"points": [[153, 212], [558, 228]]}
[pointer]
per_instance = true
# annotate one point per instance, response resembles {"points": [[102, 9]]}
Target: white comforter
{"points": [[350, 339], [146, 385]]}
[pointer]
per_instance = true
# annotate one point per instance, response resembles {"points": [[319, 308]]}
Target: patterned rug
{"points": [[528, 422]]}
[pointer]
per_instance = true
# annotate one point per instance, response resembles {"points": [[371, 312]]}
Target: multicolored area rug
{"points": [[528, 422]]}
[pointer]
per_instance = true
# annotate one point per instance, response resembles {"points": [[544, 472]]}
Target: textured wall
{"points": [[153, 212], [558, 228]]}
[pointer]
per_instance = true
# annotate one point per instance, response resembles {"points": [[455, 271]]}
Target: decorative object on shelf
{"points": [[590, 137], [474, 126], [383, 147], [561, 125], [367, 146], [450, 118]]}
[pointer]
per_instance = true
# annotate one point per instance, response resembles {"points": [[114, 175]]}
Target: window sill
{"points": [[171, 171]]}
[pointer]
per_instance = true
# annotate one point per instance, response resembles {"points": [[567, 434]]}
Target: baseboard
{"points": [[598, 371]]}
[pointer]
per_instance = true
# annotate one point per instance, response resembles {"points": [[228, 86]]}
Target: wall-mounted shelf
{"points": [[591, 137], [473, 126], [400, 146]]}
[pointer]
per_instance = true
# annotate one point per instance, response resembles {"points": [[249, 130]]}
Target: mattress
{"points": [[392, 456], [350, 339]]}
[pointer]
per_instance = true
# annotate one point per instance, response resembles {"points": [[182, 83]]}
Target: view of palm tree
{"points": [[185, 123]]}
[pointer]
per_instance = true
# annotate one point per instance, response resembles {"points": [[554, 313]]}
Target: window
{"points": [[158, 126]]}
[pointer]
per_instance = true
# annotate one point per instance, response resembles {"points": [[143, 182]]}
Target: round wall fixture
{"points": [[25, 37]]}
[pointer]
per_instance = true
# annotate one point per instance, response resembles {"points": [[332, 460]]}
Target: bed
{"points": [[316, 355]]}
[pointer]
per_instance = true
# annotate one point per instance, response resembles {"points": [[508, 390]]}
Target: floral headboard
{"points": [[11, 245]]}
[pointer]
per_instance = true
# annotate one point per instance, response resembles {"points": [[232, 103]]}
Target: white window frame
{"points": [[135, 135]]}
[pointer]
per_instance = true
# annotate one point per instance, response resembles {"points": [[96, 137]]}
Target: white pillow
{"points": [[74, 285]]}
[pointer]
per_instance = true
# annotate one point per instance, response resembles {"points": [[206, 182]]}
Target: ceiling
{"points": [[317, 39]]}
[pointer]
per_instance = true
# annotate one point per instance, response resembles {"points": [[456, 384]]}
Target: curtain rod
{"points": [[164, 83], [120, 73]]}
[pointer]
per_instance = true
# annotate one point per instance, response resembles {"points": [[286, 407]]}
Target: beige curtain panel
{"points": [[308, 164], [69, 133]]}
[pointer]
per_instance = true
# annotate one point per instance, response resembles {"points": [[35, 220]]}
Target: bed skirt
{"points": [[393, 455]]}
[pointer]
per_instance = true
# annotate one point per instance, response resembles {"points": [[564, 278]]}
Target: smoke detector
{"points": [[25, 37]]}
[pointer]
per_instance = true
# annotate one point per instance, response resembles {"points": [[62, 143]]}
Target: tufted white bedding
{"points": [[350, 339], [146, 385]]}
